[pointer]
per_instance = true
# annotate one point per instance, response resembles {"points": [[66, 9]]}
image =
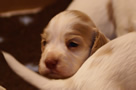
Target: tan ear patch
{"points": [[100, 40]]}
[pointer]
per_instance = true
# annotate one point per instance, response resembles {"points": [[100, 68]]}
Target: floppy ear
{"points": [[98, 41]]}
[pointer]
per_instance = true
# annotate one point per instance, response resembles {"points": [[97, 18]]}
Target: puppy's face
{"points": [[66, 44]]}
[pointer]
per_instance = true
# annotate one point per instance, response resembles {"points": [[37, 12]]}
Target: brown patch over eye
{"points": [[84, 31], [72, 45], [44, 43]]}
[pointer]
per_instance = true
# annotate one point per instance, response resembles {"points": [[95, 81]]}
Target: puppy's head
{"points": [[67, 41]]}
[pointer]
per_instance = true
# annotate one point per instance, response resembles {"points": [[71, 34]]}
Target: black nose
{"points": [[51, 64]]}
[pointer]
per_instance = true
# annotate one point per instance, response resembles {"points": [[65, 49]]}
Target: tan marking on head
{"points": [[83, 17], [100, 40], [84, 31], [88, 30]]}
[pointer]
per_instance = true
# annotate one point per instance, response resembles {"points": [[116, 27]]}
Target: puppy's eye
{"points": [[44, 43], [72, 45]]}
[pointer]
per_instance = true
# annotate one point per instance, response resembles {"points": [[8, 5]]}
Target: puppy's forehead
{"points": [[65, 21], [69, 18]]}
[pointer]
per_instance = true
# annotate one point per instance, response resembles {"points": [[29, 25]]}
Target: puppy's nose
{"points": [[51, 64]]}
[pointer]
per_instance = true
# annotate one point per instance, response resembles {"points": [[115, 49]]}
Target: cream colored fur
{"points": [[110, 16], [112, 67], [98, 11], [125, 16], [67, 41]]}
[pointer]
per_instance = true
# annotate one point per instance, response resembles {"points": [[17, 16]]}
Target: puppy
{"points": [[125, 16], [111, 67], [67, 41], [101, 13], [113, 17]]}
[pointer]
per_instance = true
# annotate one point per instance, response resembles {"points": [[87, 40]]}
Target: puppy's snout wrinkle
{"points": [[51, 64]]}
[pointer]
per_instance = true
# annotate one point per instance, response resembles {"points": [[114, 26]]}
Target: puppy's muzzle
{"points": [[51, 64]]}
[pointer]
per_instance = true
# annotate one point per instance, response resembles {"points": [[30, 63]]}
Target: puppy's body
{"points": [[67, 41], [112, 67], [100, 11], [109, 15], [125, 16]]}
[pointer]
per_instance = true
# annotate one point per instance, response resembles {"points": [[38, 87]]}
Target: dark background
{"points": [[23, 41]]}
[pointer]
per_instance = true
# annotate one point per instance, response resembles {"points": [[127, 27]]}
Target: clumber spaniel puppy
{"points": [[111, 67], [67, 41]]}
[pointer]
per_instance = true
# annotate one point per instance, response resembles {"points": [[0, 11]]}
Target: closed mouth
{"points": [[54, 74]]}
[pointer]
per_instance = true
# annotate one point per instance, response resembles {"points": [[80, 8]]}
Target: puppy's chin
{"points": [[53, 75], [60, 72]]}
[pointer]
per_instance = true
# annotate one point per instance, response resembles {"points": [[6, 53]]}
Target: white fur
{"points": [[125, 16], [97, 11], [112, 67]]}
